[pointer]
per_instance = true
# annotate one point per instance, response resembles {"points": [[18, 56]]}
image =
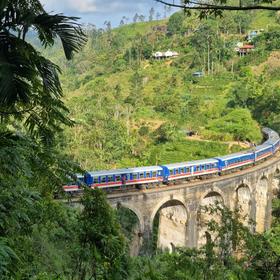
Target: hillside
{"points": [[131, 109]]}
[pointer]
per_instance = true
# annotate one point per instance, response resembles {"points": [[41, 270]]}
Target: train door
{"points": [[165, 174]]}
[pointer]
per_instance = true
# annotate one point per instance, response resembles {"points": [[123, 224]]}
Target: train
{"points": [[149, 176]]}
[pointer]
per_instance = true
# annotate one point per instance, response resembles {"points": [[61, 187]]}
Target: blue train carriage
{"points": [[275, 144], [74, 186], [270, 133], [263, 151], [274, 141], [185, 170], [236, 160], [137, 176]]}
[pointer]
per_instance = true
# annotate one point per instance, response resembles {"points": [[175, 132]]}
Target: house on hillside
{"points": [[164, 55], [158, 55], [245, 49]]}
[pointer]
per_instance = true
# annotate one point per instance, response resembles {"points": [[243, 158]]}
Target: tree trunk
{"points": [[208, 58]]}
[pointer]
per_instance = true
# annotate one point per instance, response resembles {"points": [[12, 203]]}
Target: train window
{"points": [[171, 171], [103, 179], [159, 173], [198, 167], [148, 175], [182, 170], [141, 175], [110, 178], [177, 171], [118, 178], [95, 180], [154, 174], [188, 170], [134, 176]]}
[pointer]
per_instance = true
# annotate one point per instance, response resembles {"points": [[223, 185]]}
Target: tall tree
{"points": [[151, 14], [102, 254], [142, 18], [30, 90], [135, 18], [32, 112]]}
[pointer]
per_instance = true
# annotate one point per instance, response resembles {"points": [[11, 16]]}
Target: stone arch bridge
{"points": [[177, 207]]}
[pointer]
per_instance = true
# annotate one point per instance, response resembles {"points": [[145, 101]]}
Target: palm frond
{"points": [[16, 70], [66, 28], [49, 74]]}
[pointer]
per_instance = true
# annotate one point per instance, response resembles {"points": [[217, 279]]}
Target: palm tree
{"points": [[30, 90], [31, 111]]}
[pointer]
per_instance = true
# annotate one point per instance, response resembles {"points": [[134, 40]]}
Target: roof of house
{"points": [[247, 47]]}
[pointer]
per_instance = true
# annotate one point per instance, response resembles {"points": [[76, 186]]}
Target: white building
{"points": [[167, 54]]}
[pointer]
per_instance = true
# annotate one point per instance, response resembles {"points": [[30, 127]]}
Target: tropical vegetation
{"points": [[114, 105]]}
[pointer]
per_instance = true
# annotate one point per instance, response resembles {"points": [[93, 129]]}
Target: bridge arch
{"points": [[276, 182], [169, 201], [243, 200], [170, 221], [133, 226], [210, 198], [210, 192], [136, 212], [261, 198]]}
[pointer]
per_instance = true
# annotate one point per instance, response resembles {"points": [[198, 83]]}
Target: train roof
{"points": [[235, 155], [190, 163], [263, 146], [272, 140], [270, 132], [124, 171]]}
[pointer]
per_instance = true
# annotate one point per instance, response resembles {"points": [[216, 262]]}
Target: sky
{"points": [[98, 11]]}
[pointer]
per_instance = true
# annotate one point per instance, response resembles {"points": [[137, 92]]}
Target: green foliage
{"points": [[30, 90], [102, 254], [175, 23], [231, 252], [128, 221], [242, 21], [179, 150], [167, 132], [239, 123], [129, 111], [269, 40], [256, 94]]}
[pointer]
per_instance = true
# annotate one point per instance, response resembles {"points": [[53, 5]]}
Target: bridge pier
{"points": [[147, 237], [192, 229]]}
